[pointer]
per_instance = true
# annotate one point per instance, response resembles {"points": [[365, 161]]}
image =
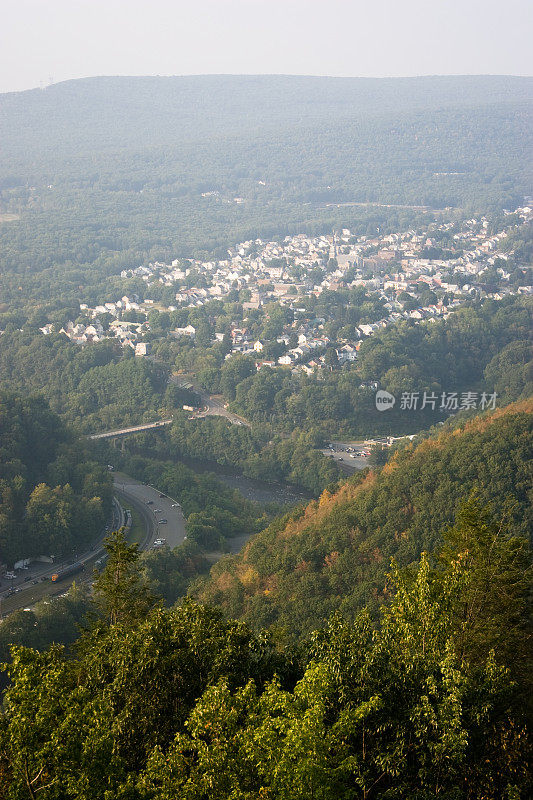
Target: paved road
{"points": [[212, 405], [153, 508], [35, 583], [132, 494]]}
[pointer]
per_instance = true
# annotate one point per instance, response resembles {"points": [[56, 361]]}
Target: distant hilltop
{"points": [[198, 103], [322, 89]]}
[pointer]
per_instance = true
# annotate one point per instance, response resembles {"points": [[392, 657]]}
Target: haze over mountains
{"points": [[106, 172], [166, 109]]}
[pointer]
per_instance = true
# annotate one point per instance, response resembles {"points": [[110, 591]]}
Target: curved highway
{"points": [[153, 506], [214, 407], [34, 583]]}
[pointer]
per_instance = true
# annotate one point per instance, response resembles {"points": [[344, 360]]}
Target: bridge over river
{"points": [[149, 426]]}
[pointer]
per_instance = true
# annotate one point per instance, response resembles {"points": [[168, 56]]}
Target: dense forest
{"points": [[427, 699], [54, 495], [96, 388], [334, 553]]}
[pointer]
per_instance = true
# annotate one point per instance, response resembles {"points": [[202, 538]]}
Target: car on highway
{"points": [[149, 502], [162, 495], [157, 511], [175, 505], [159, 543], [163, 521]]}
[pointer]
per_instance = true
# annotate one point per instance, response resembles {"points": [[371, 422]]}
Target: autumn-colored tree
{"points": [[181, 705]]}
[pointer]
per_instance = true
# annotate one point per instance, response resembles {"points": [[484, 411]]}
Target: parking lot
{"points": [[351, 456]]}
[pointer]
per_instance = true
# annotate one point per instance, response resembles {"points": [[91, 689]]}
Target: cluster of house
{"points": [[282, 270], [261, 267], [388, 265], [306, 355], [129, 334]]}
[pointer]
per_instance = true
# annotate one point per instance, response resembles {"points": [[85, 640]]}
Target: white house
{"points": [[286, 360], [346, 353], [189, 331], [142, 349]]}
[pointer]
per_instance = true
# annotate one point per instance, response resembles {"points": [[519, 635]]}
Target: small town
{"points": [[409, 275], [266, 399]]}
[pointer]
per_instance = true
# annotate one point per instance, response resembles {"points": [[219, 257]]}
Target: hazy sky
{"points": [[44, 40]]}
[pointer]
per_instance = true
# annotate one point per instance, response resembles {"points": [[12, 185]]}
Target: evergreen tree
{"points": [[492, 607], [120, 591]]}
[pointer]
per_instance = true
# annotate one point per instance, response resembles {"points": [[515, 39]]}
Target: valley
{"points": [[265, 432]]}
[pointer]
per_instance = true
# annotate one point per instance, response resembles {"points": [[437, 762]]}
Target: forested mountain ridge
{"points": [[335, 553], [178, 108]]}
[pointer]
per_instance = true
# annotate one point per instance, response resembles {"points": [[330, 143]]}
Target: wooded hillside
{"points": [[335, 553]]}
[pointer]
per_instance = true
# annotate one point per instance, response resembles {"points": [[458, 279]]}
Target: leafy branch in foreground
{"points": [[181, 705]]}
